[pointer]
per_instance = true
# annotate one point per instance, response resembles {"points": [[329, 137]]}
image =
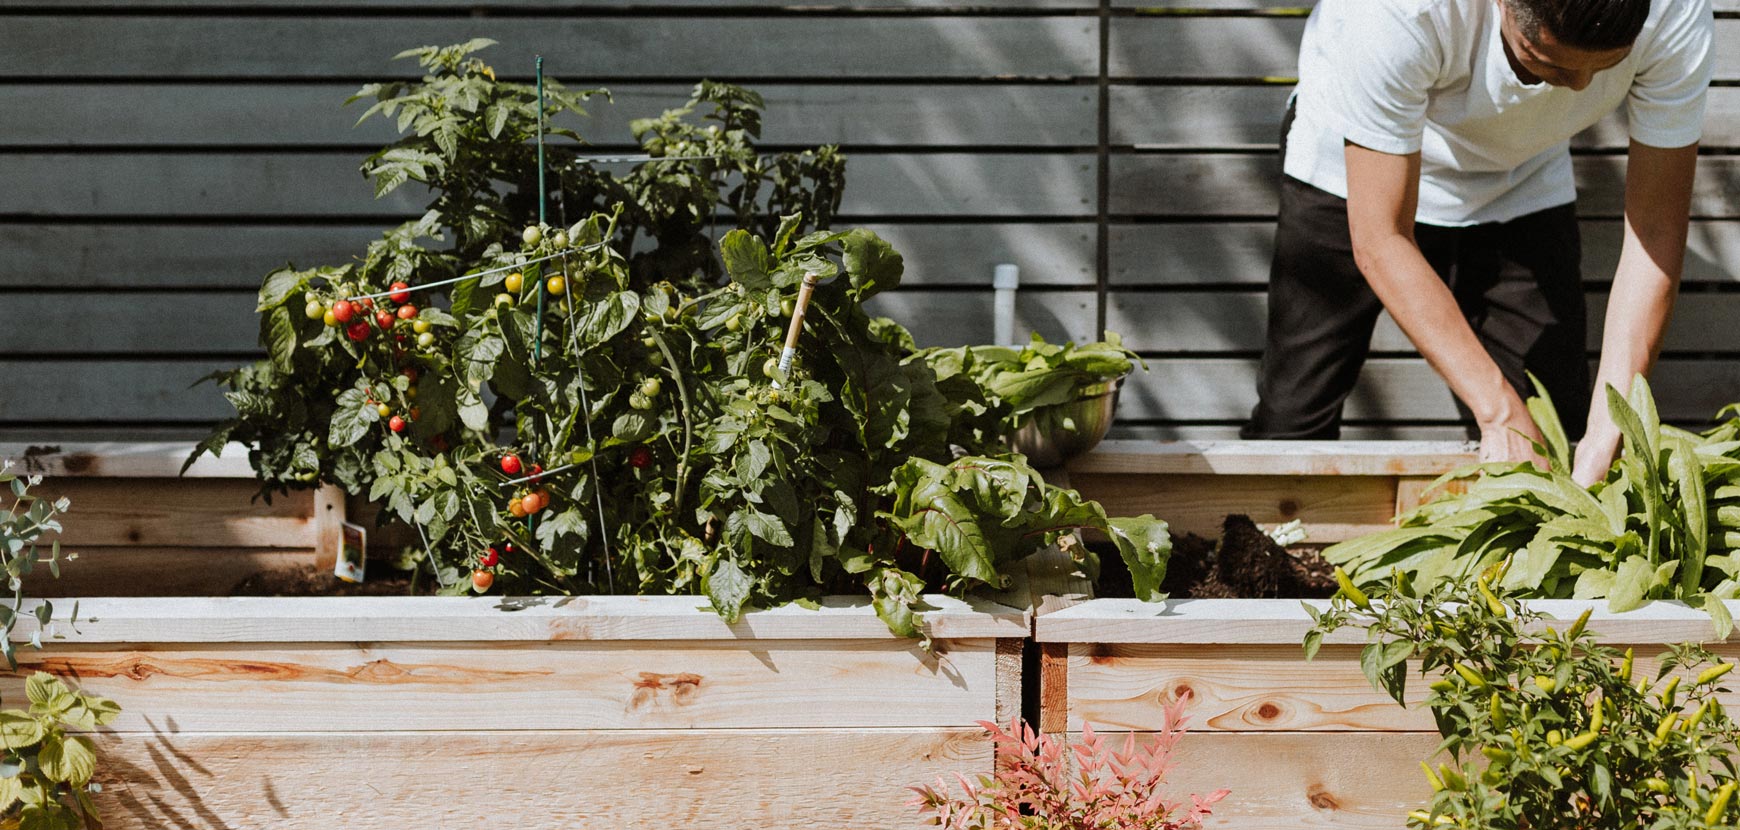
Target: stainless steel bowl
{"points": [[1051, 435]]}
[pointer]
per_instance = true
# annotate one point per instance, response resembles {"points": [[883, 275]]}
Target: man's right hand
{"points": [[1507, 437]]}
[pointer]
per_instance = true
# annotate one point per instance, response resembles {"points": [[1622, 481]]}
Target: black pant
{"points": [[1518, 283]]}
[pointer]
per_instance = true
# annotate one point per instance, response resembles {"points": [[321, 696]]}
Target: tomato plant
{"points": [[686, 471]]}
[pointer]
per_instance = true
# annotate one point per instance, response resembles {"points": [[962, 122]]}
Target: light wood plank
{"points": [[1289, 781], [125, 459], [1253, 688], [1332, 508], [291, 184], [1274, 458], [1284, 622], [313, 115], [1151, 431], [384, 687], [171, 512], [139, 571], [493, 619], [1218, 253], [1188, 46], [779, 779], [679, 47], [1210, 184], [959, 318], [216, 257]]}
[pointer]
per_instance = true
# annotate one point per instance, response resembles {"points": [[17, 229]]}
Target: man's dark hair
{"points": [[1592, 25]]}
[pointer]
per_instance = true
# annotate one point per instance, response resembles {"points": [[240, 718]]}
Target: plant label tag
{"points": [[351, 550]]}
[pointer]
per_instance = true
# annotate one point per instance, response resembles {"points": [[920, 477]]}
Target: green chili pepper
{"points": [[1442, 685], [1500, 718], [1625, 668], [1720, 806], [1577, 627], [1545, 683], [1657, 785], [1667, 691], [1497, 754], [1473, 677], [1350, 590], [1432, 777], [1712, 673], [1453, 778], [1492, 602], [1555, 737], [1667, 725], [1697, 717], [1581, 741]]}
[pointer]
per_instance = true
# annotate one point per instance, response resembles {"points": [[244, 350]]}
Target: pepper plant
{"points": [[1665, 523], [1545, 728]]}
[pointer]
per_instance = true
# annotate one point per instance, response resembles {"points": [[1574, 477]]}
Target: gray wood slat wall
{"points": [[158, 156]]}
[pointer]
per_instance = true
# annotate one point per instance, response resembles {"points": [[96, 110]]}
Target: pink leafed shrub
{"points": [[1044, 784]]}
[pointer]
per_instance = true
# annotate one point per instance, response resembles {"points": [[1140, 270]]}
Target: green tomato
{"points": [[771, 367], [655, 358], [314, 310], [651, 387], [561, 239], [504, 299], [735, 323], [638, 401], [426, 339], [786, 307], [532, 235], [421, 326]]}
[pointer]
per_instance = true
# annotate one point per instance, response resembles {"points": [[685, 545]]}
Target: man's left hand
{"points": [[1597, 450]]}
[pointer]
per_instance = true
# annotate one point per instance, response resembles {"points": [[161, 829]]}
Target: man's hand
{"points": [[1596, 452], [1507, 437]]}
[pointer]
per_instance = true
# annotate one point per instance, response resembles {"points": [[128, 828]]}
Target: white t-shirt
{"points": [[1431, 75]]}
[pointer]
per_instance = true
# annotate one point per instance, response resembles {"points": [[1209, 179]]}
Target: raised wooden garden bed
{"points": [[1300, 744], [606, 712]]}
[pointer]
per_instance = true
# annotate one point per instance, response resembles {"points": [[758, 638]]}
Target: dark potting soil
{"points": [[321, 583], [1243, 564]]}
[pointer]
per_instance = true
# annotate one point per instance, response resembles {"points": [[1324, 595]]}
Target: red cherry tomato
{"points": [[537, 470], [399, 295], [357, 331], [407, 312], [410, 373], [640, 458], [481, 580], [510, 464], [384, 319], [489, 558], [342, 311], [397, 424], [367, 303]]}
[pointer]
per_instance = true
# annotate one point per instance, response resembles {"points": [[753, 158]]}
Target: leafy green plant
{"points": [[45, 773], [1545, 728], [1665, 523], [1042, 783], [1018, 382], [573, 415], [26, 520], [468, 139]]}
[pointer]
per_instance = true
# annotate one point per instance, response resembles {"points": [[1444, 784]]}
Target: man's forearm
{"points": [[1427, 312], [1638, 309]]}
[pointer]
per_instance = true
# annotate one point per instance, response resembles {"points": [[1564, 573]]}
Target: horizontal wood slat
{"points": [[94, 392], [312, 115], [494, 619], [1246, 116], [140, 571], [173, 512], [123, 47], [1188, 46], [780, 779], [1177, 322], [1257, 688], [1389, 388], [224, 185], [1218, 253], [1211, 184], [1331, 508], [1303, 781], [1232, 322], [532, 686], [1275, 458], [220, 257], [1283, 622]]}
